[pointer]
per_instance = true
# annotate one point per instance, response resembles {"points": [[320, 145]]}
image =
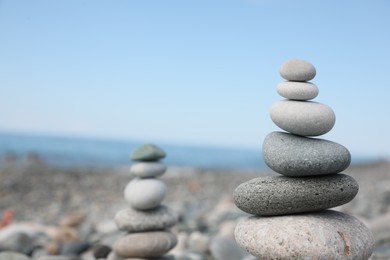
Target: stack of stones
{"points": [[291, 218], [145, 221]]}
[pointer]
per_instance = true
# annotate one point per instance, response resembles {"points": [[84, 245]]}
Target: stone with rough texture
{"points": [[144, 194], [145, 244], [148, 169], [297, 90], [297, 70], [323, 235], [280, 195], [132, 220], [304, 118], [294, 156], [148, 152]]}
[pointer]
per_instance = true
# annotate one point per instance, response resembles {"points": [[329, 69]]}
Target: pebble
{"points": [[18, 242], [144, 194], [294, 156], [132, 220], [101, 251], [148, 152], [8, 255], [304, 118], [145, 244], [297, 90], [226, 248], [323, 235], [280, 195], [74, 248], [198, 242], [297, 70], [148, 169]]}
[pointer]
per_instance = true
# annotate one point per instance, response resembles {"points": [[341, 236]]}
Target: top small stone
{"points": [[297, 70], [148, 152]]}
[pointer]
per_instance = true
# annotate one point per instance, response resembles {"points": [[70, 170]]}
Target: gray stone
{"points": [[323, 235], [132, 220], [74, 248], [297, 90], [101, 251], [297, 70], [226, 248], [18, 242], [294, 156], [144, 194], [305, 118], [148, 152], [280, 195], [8, 255], [148, 169], [145, 244]]}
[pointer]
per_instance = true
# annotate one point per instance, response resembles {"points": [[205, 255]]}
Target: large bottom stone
{"points": [[323, 235], [145, 244]]}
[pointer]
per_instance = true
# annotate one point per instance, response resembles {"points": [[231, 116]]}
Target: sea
{"points": [[67, 152]]}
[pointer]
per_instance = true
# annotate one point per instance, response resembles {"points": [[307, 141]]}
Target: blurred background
{"points": [[85, 82]]}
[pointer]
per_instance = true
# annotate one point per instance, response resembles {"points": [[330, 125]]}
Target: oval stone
{"points": [[296, 156], [132, 220], [144, 194], [148, 169], [324, 235], [148, 152], [297, 70], [297, 90], [145, 244], [280, 195], [304, 118]]}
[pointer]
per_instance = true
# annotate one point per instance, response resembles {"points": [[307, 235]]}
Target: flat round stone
{"points": [[324, 235], [297, 70], [144, 194], [304, 118], [145, 244], [148, 152], [148, 169], [297, 90], [132, 220], [280, 195], [296, 156]]}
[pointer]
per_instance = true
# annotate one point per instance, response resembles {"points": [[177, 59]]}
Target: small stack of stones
{"points": [[291, 220], [146, 221]]}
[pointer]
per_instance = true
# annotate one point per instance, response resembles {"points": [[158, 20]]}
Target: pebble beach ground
{"points": [[50, 211]]}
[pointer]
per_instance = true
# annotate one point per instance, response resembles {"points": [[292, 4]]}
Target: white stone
{"points": [[143, 194], [148, 169], [324, 235], [297, 70], [297, 90], [304, 118]]}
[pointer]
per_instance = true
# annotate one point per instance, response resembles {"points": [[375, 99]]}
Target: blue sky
{"points": [[191, 72]]}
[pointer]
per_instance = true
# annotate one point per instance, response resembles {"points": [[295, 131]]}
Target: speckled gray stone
{"points": [[294, 156], [145, 244], [148, 169], [148, 152], [144, 194], [280, 195], [297, 70], [304, 118], [297, 90], [132, 220], [324, 235]]}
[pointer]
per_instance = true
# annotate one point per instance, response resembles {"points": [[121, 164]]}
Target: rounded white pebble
{"points": [[297, 90], [144, 194], [297, 70], [148, 169]]}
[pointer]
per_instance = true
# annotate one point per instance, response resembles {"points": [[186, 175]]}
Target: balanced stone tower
{"points": [[291, 220], [145, 221]]}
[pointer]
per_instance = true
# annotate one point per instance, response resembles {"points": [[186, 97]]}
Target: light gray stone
{"points": [[144, 194], [8, 255], [323, 235], [304, 118], [145, 244], [297, 90], [132, 220], [280, 195], [148, 152], [148, 169], [297, 70], [294, 156]]}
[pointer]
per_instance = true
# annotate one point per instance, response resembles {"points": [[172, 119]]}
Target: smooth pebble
{"points": [[297, 70], [297, 90], [144, 194], [148, 169], [148, 152]]}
